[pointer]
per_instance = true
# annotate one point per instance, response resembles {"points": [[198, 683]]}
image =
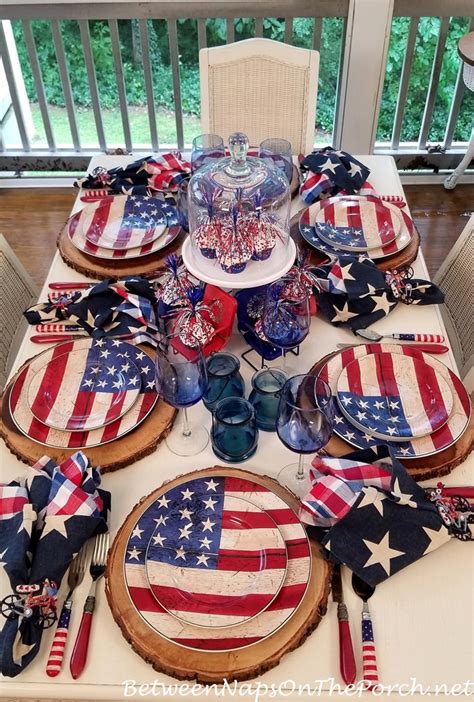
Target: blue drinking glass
{"points": [[285, 321], [234, 433], [182, 204], [223, 379], [206, 148], [304, 425], [278, 152], [267, 385], [181, 380]]}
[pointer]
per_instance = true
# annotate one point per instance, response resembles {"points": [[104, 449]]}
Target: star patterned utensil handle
{"points": [[369, 658]]}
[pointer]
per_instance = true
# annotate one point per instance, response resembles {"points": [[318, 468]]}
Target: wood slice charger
{"points": [[426, 468], [213, 666], [131, 447], [399, 260]]}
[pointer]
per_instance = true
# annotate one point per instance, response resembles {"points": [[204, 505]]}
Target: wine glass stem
{"points": [[186, 428], [300, 471]]}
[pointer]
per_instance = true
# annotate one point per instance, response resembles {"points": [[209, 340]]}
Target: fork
{"points": [[75, 576], [97, 569]]}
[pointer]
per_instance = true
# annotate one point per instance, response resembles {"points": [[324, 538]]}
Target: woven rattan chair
{"points": [[17, 292], [261, 87], [456, 278]]}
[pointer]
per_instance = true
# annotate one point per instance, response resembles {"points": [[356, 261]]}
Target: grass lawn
{"points": [[139, 127]]}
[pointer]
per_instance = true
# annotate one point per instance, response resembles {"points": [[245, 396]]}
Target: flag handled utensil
{"points": [[347, 663], [424, 348], [372, 335], [369, 658], [97, 569], [75, 577]]}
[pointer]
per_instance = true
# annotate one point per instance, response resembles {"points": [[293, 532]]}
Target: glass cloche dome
{"points": [[239, 211]]}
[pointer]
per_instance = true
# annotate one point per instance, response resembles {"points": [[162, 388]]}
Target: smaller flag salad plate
{"points": [[311, 233], [86, 232], [124, 222], [438, 440], [394, 397], [215, 560], [82, 389], [356, 223], [22, 401]]}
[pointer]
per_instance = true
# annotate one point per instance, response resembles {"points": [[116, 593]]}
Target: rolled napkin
{"points": [[352, 291], [110, 308], [330, 172], [45, 518], [375, 518], [162, 173]]}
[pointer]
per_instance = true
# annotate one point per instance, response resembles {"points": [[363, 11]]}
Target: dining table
{"points": [[423, 615]]}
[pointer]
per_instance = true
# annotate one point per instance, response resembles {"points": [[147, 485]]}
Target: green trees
{"points": [[273, 28]]}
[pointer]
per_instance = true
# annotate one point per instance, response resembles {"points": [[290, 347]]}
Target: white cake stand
{"points": [[256, 272]]}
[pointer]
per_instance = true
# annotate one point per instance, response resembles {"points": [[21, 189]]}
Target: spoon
{"points": [[372, 335], [369, 659]]}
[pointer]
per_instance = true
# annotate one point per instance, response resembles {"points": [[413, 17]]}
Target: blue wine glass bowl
{"points": [[180, 381], [305, 414]]}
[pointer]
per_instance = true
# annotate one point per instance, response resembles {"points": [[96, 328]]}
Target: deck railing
{"points": [[353, 37]]}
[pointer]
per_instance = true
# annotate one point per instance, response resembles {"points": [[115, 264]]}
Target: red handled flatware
{"points": [[55, 338], [71, 286], [58, 328], [347, 663], [97, 569]]}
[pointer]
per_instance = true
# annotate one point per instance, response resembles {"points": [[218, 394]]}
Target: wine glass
{"points": [[304, 425], [286, 318], [278, 152], [181, 380], [206, 148]]}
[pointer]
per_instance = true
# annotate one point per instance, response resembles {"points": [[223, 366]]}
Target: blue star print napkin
{"points": [[110, 308], [380, 520], [330, 172], [45, 518], [352, 291]]}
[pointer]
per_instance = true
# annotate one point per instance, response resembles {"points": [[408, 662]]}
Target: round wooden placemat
{"points": [[399, 260], [131, 447], [100, 268], [435, 466], [205, 666]]}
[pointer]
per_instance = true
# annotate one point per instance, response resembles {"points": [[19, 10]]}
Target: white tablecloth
{"points": [[423, 616]]}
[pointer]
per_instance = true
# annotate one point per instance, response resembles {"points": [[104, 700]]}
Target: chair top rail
{"points": [[169, 9]]}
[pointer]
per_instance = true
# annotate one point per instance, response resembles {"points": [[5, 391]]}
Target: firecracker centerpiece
{"points": [[238, 220]]}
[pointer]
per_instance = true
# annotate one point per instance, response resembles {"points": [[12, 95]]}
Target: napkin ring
{"points": [[398, 280], [35, 602], [455, 512]]}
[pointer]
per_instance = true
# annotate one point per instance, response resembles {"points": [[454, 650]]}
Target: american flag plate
{"points": [[215, 560], [357, 223], [311, 236], [78, 237], [208, 498], [40, 432], [394, 397], [81, 389], [420, 447], [124, 222]]}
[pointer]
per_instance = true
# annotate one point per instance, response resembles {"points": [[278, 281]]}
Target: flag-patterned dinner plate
{"points": [[393, 396], [428, 445], [81, 389], [40, 432], [78, 238], [234, 636], [214, 560], [310, 235], [357, 223], [124, 222]]}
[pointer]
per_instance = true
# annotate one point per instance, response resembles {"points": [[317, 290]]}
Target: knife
{"points": [[346, 652], [425, 348]]}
